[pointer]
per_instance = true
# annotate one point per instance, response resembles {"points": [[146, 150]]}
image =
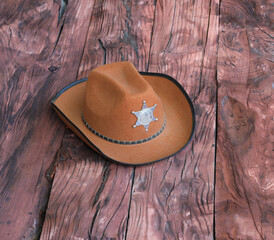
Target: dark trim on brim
{"points": [[142, 73], [68, 87]]}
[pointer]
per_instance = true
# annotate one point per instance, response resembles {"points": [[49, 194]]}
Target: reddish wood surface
{"points": [[30, 133], [245, 179], [105, 194], [222, 54], [174, 199], [84, 201]]}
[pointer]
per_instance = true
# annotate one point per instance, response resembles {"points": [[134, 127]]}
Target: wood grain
{"points": [[204, 45], [174, 199], [30, 133], [90, 197], [85, 190], [244, 170]]}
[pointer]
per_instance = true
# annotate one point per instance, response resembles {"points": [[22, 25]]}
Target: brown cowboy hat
{"points": [[127, 116]]}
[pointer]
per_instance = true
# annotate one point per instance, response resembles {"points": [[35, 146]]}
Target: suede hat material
{"points": [[126, 116]]}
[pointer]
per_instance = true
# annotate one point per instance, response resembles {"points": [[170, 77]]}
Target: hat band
{"points": [[120, 141]]}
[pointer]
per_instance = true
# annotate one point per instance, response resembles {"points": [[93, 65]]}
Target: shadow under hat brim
{"points": [[179, 129]]}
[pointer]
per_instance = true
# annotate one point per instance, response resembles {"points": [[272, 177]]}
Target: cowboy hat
{"points": [[126, 116]]}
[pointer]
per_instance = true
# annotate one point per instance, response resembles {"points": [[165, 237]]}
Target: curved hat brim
{"points": [[179, 129]]}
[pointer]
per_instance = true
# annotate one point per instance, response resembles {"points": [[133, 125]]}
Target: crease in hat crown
{"points": [[112, 93]]}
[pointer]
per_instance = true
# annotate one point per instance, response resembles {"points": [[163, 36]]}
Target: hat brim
{"points": [[179, 129]]}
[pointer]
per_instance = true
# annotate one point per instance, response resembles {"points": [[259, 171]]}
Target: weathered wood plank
{"points": [[174, 199], [129, 41], [30, 133], [86, 189], [244, 183], [90, 197]]}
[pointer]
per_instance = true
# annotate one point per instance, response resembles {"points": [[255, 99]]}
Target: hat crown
{"points": [[113, 92]]}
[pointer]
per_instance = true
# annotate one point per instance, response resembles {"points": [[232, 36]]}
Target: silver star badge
{"points": [[145, 116]]}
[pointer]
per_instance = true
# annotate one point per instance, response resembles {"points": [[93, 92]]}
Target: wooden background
{"points": [[52, 186]]}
